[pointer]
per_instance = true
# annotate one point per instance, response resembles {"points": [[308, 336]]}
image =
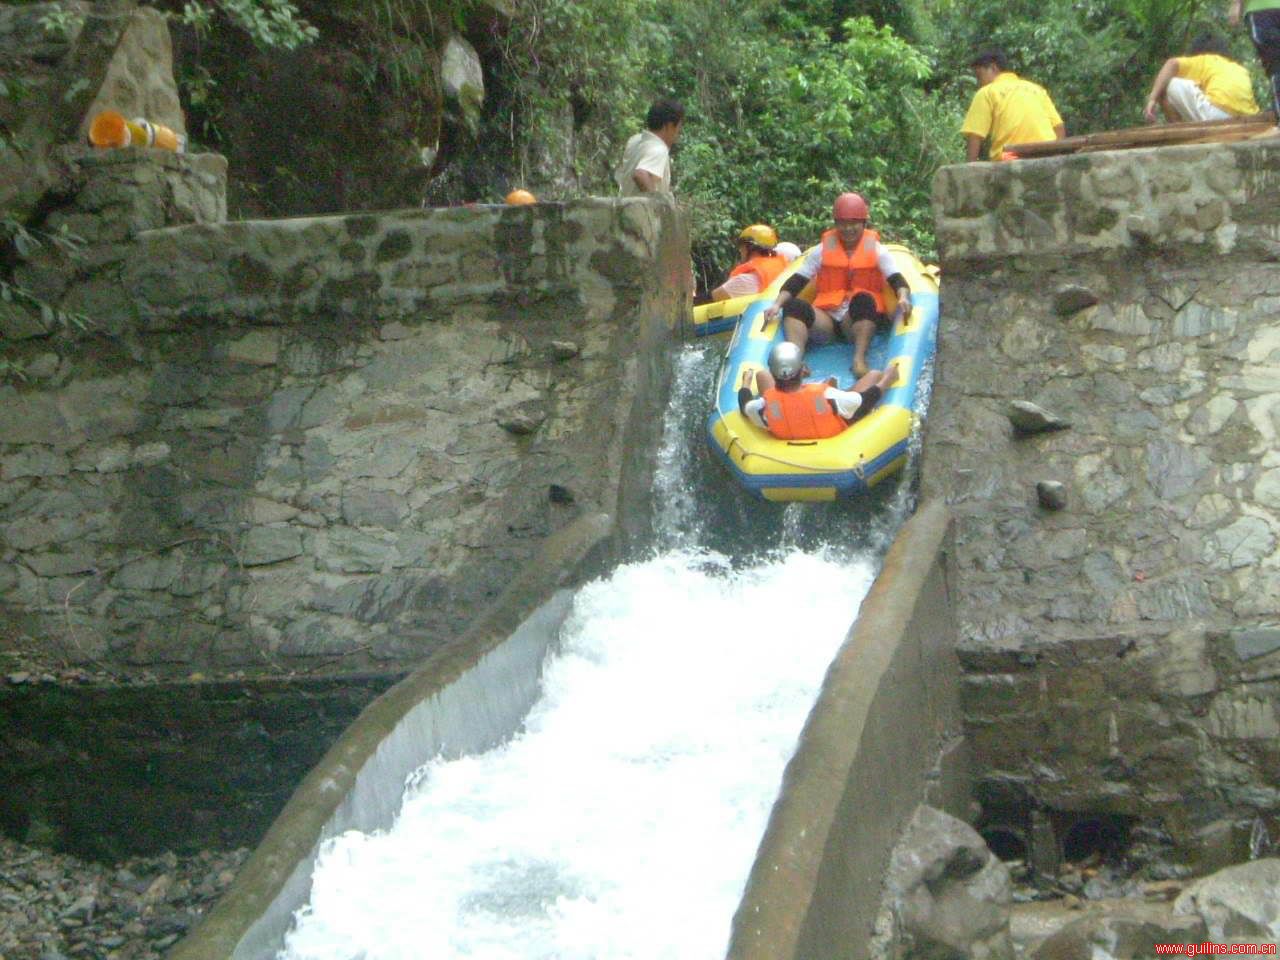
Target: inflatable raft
{"points": [[852, 462]]}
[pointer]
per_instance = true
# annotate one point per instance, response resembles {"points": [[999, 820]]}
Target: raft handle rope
{"points": [[859, 468]]}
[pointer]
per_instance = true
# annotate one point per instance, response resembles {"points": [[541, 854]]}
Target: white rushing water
{"points": [[622, 820]]}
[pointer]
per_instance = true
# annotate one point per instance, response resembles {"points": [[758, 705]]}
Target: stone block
{"points": [[259, 347], [285, 409], [34, 532], [369, 599], [34, 461], [60, 563], [320, 636], [155, 572], [1179, 665], [1243, 543], [263, 545], [344, 550], [195, 577], [32, 418], [1251, 642], [261, 511], [1236, 715], [373, 508], [388, 458]]}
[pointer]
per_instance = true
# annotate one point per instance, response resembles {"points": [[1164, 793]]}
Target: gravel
{"points": [[57, 907]]}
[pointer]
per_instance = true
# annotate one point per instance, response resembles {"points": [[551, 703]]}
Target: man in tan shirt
{"points": [[646, 160]]}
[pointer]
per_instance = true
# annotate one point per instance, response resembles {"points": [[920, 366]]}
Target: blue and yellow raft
{"points": [[845, 465]]}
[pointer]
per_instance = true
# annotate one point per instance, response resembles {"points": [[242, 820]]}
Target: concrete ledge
{"points": [[887, 708], [471, 697]]}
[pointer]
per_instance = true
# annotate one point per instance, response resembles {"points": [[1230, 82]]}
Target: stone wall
{"points": [[315, 444], [1122, 651], [180, 766]]}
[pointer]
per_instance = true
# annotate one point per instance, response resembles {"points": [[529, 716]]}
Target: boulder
{"points": [[946, 894], [1120, 935], [462, 82], [139, 78], [1238, 904]]}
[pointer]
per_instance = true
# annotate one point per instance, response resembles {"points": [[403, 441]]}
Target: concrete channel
{"points": [[881, 738]]}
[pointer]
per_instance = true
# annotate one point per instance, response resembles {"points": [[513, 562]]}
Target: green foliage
{"points": [[778, 129], [60, 23], [581, 59], [271, 24], [24, 243]]}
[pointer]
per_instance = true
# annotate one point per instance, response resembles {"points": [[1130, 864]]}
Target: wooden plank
{"points": [[1211, 131]]}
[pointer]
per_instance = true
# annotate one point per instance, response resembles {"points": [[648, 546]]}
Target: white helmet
{"points": [[788, 250], [786, 361]]}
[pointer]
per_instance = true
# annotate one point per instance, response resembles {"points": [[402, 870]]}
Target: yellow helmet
{"points": [[761, 235], [519, 198]]}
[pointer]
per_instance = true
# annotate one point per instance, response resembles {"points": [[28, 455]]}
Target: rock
{"points": [[139, 81], [462, 82], [158, 889], [1052, 494], [1252, 642], [263, 545], [43, 366], [564, 349], [946, 893], [1028, 417], [1072, 298], [1140, 227], [82, 908], [373, 508], [523, 419], [260, 348], [1119, 936], [22, 676], [1237, 904]]}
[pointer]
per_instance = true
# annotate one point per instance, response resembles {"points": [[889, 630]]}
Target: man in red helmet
{"points": [[850, 267]]}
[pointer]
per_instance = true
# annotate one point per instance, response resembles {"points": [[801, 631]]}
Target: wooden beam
{"points": [[1211, 131]]}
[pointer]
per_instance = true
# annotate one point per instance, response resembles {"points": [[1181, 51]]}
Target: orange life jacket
{"points": [[844, 274], [765, 266], [803, 414]]}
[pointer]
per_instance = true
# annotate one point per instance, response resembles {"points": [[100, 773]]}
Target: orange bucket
{"points": [[110, 129]]}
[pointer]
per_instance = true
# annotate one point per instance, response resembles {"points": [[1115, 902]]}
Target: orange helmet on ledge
{"points": [[518, 198]]}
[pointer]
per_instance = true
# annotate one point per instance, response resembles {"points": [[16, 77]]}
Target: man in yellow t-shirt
{"points": [[1006, 109], [1204, 85]]}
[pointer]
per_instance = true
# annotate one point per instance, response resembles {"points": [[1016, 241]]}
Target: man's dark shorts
{"points": [[861, 307]]}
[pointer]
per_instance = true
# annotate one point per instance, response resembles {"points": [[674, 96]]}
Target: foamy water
{"points": [[623, 820]]}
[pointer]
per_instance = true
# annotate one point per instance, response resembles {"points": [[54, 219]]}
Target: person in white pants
{"points": [[1202, 85]]}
